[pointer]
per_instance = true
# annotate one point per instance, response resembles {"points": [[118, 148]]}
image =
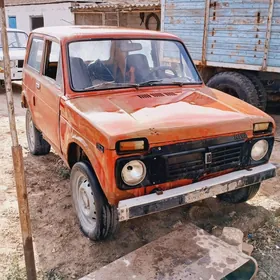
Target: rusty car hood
{"points": [[165, 114]]}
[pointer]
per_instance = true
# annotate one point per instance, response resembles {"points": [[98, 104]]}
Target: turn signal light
{"points": [[259, 127], [132, 145]]}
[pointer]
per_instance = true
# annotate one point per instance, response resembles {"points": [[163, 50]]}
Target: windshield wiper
{"points": [[111, 83], [149, 83], [98, 85]]}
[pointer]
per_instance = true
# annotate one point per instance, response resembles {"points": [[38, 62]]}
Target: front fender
{"points": [[101, 161]]}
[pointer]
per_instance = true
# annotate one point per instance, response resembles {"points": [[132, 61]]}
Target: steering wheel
{"points": [[12, 43], [160, 72], [99, 71]]}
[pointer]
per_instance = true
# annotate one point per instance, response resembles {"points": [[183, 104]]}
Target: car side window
{"points": [[36, 54], [52, 68]]}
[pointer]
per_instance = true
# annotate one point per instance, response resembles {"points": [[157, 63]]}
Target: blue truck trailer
{"points": [[234, 43]]}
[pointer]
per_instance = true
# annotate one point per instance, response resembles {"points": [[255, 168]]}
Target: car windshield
{"points": [[16, 39], [107, 64]]}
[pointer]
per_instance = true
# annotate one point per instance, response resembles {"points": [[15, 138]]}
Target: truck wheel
{"points": [[262, 94], [237, 85], [36, 143], [98, 220], [240, 195]]}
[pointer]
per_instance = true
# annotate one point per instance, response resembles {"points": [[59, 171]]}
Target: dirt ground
{"points": [[62, 252]]}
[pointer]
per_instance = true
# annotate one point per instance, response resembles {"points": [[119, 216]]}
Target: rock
{"points": [[247, 248], [233, 236], [277, 212], [217, 231], [177, 224], [231, 214]]}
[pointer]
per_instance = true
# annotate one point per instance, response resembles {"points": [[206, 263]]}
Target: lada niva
{"points": [[128, 112]]}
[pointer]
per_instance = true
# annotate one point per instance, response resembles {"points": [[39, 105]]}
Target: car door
{"points": [[32, 74], [49, 92]]}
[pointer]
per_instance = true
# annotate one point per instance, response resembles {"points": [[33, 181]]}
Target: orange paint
{"points": [[171, 114]]}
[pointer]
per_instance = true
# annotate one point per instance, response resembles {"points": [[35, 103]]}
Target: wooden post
{"points": [[17, 157]]}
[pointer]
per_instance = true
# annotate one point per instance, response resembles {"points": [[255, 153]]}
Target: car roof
{"points": [[80, 31]]}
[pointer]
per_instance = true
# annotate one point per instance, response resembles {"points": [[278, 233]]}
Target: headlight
{"points": [[134, 172], [259, 150], [12, 63]]}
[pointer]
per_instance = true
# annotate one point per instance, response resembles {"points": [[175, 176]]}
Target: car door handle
{"points": [[38, 85]]}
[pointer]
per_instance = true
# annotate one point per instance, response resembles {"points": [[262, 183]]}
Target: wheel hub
{"points": [[86, 201], [31, 133]]}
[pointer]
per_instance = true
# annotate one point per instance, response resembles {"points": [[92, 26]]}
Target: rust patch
{"points": [[258, 17], [241, 61], [231, 261], [214, 15], [213, 31], [214, 8]]}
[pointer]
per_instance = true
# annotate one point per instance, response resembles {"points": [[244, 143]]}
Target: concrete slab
{"points": [[186, 253]]}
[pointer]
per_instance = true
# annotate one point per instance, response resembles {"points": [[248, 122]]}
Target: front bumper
{"points": [[152, 203]]}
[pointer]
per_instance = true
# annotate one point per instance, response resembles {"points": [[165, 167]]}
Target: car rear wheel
{"points": [[98, 220], [237, 85], [240, 195], [36, 143]]}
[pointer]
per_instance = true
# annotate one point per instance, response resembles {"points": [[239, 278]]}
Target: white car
{"points": [[17, 40]]}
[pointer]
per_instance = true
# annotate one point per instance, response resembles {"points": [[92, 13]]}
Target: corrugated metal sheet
{"points": [[274, 44], [185, 18], [237, 31]]}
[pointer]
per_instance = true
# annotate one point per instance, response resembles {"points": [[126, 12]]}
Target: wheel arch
{"points": [[76, 151]]}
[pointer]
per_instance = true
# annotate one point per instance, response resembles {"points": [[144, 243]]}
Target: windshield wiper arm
{"points": [[98, 85], [151, 82], [111, 83]]}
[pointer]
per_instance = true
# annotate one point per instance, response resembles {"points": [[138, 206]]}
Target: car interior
{"points": [[116, 69]]}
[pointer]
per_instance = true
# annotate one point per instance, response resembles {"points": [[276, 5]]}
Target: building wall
{"points": [[54, 14], [131, 20]]}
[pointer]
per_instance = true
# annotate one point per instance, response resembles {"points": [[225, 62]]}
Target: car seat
{"points": [[140, 64], [79, 73]]}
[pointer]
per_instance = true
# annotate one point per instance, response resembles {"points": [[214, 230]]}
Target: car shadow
{"points": [[61, 246]]}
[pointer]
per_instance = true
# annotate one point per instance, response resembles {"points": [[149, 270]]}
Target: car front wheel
{"points": [[98, 220], [240, 195]]}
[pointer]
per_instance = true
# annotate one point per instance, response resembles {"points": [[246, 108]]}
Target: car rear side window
{"points": [[36, 54], [53, 63]]}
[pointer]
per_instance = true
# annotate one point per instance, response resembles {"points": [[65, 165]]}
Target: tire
{"points": [[98, 220], [240, 195], [36, 143], [261, 91], [235, 84]]}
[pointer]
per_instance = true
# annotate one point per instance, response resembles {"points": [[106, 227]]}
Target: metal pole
{"points": [[24, 215]]}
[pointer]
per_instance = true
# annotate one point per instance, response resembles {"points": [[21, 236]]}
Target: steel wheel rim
{"points": [[31, 133], [84, 202]]}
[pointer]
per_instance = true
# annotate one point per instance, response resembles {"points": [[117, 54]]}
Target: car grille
{"points": [[193, 165], [20, 63]]}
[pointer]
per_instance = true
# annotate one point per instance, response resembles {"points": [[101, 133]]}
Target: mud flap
{"points": [[186, 253]]}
